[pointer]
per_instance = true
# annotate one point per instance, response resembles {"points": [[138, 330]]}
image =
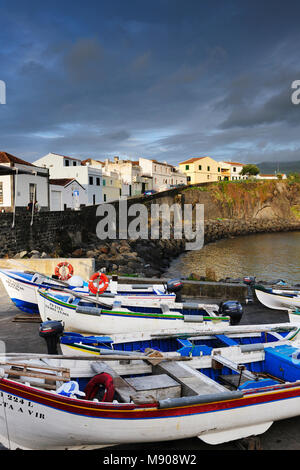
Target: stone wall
{"points": [[73, 233]]}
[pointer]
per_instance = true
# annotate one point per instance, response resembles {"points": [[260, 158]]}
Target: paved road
{"points": [[283, 435]]}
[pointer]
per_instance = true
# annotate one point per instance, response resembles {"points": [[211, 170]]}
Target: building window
{"points": [[189, 178], [187, 167], [104, 182], [208, 176], [200, 167], [74, 163], [219, 169], [104, 197], [98, 181], [94, 199], [1, 192], [32, 192], [67, 163], [91, 180], [234, 168], [208, 168]]}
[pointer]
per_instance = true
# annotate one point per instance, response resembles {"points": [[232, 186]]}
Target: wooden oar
{"points": [[86, 297], [229, 331], [103, 357]]}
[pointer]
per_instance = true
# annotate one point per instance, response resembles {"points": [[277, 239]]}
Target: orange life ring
{"points": [[103, 285], [64, 276]]}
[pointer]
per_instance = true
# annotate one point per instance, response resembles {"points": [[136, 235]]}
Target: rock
{"points": [[194, 277], [34, 252], [124, 249], [77, 253], [91, 253], [103, 249], [22, 254]]}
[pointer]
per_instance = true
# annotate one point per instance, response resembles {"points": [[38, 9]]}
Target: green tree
{"points": [[250, 170]]}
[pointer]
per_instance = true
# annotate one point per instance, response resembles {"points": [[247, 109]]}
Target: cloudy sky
{"points": [[164, 79]]}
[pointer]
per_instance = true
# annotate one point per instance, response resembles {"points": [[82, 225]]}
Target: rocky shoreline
{"points": [[151, 258]]}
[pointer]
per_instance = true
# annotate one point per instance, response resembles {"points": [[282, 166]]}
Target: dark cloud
{"points": [[164, 79]]}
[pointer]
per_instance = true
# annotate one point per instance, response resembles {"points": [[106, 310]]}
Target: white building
{"points": [[22, 182], [130, 174], [111, 180], [235, 171], [271, 177], [66, 193], [163, 174], [90, 178]]}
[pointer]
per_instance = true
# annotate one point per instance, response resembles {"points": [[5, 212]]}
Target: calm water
{"points": [[266, 256]]}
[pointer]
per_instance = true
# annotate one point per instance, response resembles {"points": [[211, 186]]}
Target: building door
{"points": [[55, 201]]}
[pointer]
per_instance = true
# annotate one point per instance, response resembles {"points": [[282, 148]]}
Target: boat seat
{"points": [[192, 381], [125, 391], [226, 340], [219, 361]]}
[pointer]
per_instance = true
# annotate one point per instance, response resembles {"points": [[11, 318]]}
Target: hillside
{"points": [[281, 167]]}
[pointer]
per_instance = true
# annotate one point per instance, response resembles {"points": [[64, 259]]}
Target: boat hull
{"points": [[22, 292], [111, 321], [34, 419], [277, 301]]}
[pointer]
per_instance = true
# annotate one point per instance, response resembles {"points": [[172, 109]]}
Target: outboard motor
{"points": [[250, 282], [51, 331], [232, 309], [175, 285]]}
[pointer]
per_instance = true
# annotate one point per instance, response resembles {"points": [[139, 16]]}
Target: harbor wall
{"points": [[230, 210], [83, 267]]}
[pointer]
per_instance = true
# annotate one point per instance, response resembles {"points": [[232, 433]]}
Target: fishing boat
{"points": [[63, 402], [181, 343], [85, 314], [21, 288], [279, 299]]}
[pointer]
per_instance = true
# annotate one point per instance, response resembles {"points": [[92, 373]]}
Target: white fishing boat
{"points": [[21, 288], [83, 314], [279, 299], [193, 345], [57, 402]]}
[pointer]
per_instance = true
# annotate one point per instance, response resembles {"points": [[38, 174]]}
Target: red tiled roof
{"points": [[235, 163], [61, 181], [8, 158], [89, 160], [192, 160], [161, 163]]}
